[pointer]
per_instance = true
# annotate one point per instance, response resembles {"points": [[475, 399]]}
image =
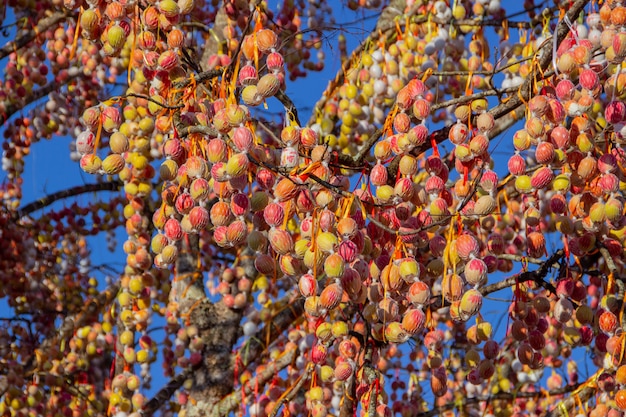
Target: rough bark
{"points": [[214, 380], [217, 324]]}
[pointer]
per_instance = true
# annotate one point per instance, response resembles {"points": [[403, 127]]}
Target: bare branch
{"points": [[608, 259], [538, 276], [200, 78], [502, 396], [230, 402], [471, 97], [347, 400], [545, 61], [582, 396], [289, 106], [150, 99], [218, 326], [70, 192], [11, 109], [520, 258], [356, 161], [166, 393], [204, 130], [24, 39], [292, 391]]}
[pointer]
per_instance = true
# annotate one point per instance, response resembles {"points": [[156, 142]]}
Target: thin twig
{"points": [[538, 276], [269, 131], [150, 99], [581, 397], [200, 78], [468, 98], [357, 160], [347, 399]]}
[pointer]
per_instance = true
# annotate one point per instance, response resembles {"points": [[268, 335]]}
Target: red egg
{"points": [[275, 62], [615, 112], [307, 284], [413, 320], [467, 246], [419, 293], [331, 296], [544, 153], [565, 90], [172, 229], [378, 175], [588, 79], [458, 133], [247, 75], [199, 218], [541, 178], [536, 242], [517, 165], [476, 272], [560, 137], [607, 322], [417, 135], [281, 241]]}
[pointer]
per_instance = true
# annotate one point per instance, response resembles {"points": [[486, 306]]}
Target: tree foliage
{"points": [[348, 264]]}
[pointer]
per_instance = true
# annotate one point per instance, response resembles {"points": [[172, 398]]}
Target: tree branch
{"points": [[204, 130], [385, 23], [232, 400], [292, 391], [200, 78], [289, 106], [292, 308], [81, 318], [608, 259], [70, 192], [356, 161], [471, 97], [545, 52], [521, 258], [13, 108], [24, 39], [166, 392], [347, 399], [501, 396], [582, 396], [218, 326], [538, 276]]}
